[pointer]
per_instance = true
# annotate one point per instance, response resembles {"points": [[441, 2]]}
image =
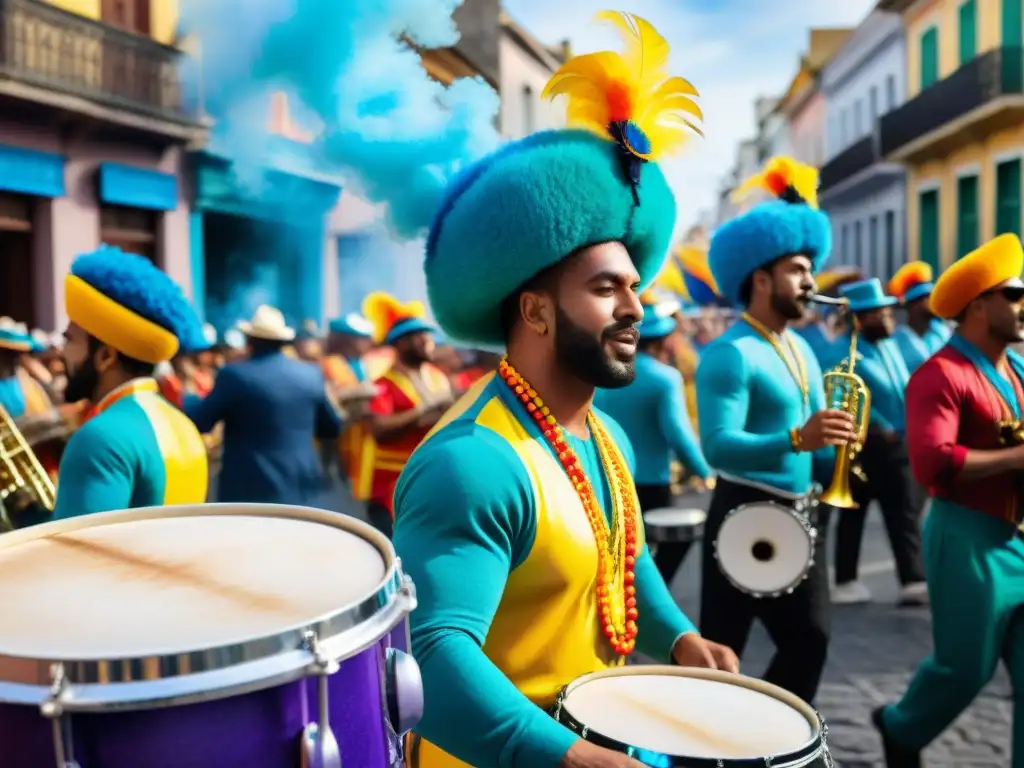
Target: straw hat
{"points": [[267, 323]]}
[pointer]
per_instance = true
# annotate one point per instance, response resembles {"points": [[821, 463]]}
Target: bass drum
{"points": [[765, 549]]}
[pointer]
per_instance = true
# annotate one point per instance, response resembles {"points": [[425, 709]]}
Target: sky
{"points": [[732, 50]]}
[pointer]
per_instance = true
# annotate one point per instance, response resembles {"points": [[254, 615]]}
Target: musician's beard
{"points": [[587, 358], [789, 308], [82, 383]]}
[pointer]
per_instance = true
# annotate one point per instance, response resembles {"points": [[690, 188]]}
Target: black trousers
{"points": [[669, 555], [798, 623], [379, 517], [890, 483]]}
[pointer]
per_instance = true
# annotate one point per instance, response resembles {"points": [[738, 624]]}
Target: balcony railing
{"points": [[47, 47], [852, 160], [999, 72]]}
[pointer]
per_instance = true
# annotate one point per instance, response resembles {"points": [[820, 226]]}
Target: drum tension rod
{"points": [[53, 710], [319, 746]]}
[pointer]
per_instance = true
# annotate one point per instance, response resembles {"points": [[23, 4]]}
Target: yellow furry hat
{"points": [[997, 261]]}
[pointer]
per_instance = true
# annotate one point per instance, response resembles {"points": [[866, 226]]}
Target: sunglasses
{"points": [[1012, 293]]}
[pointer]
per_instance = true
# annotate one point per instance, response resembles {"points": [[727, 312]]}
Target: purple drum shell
{"points": [[255, 730]]}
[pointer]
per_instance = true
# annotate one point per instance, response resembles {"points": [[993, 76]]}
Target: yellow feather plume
{"points": [[629, 97], [783, 177], [385, 311]]}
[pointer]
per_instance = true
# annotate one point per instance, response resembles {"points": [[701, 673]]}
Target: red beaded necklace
{"points": [[617, 619]]}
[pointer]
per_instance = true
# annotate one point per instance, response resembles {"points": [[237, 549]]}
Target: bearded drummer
{"points": [[763, 422], [125, 317], [517, 518], [973, 548]]}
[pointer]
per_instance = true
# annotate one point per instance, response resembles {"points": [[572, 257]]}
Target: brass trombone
{"points": [[846, 391]]}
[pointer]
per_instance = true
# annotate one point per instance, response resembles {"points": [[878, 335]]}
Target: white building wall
{"points": [[872, 62], [871, 258], [521, 82]]}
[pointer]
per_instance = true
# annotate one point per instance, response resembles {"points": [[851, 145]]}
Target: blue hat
{"points": [[658, 321], [352, 324], [789, 225], [407, 326], [866, 295], [16, 341], [536, 201], [919, 291]]}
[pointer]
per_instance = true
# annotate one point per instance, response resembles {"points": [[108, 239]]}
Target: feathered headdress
{"points": [[385, 312], [909, 276], [629, 98], [786, 179]]}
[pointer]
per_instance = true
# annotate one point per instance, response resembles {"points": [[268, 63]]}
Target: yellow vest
{"points": [[545, 632]]}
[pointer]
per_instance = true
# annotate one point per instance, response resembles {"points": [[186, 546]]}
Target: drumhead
{"points": [[691, 713], [764, 547], [191, 589], [675, 517]]}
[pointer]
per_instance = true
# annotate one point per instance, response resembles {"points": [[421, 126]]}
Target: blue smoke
{"points": [[394, 135]]}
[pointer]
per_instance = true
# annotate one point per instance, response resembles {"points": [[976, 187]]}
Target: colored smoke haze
{"points": [[391, 132]]}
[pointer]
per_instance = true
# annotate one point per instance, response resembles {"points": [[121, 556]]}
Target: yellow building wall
{"points": [[945, 14], [978, 158], [163, 15]]}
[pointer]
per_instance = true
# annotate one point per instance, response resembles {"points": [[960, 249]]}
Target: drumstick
{"points": [[726, 747], [179, 573]]}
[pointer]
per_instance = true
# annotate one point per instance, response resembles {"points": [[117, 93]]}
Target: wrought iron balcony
{"points": [[973, 94], [852, 160], [46, 47]]}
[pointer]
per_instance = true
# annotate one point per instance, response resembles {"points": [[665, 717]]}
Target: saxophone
{"points": [[846, 391], [27, 494]]}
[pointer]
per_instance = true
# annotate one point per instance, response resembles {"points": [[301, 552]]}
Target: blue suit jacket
{"points": [[272, 408]]}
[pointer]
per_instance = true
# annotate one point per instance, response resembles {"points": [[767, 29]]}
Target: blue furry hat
{"points": [[137, 284], [789, 225], [527, 207]]}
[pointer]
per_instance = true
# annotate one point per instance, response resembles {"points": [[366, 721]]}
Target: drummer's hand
{"points": [[583, 754], [692, 650]]}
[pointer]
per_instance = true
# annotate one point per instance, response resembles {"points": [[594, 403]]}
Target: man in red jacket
{"points": [[962, 405]]}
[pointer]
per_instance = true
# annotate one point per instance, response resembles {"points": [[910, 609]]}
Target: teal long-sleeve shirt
{"points": [[916, 349], [465, 518], [885, 373], [747, 403], [652, 411]]}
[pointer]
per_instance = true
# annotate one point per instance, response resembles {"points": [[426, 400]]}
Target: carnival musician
{"points": [[652, 411], [273, 408], [126, 316], [923, 334], [411, 397], [963, 406], [883, 458], [764, 423], [349, 339], [501, 543]]}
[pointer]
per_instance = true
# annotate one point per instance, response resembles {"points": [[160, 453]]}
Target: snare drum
{"points": [[765, 549], [687, 717], [674, 525], [204, 636]]}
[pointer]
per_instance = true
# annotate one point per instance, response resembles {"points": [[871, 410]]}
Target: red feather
{"points": [[620, 104], [776, 182]]}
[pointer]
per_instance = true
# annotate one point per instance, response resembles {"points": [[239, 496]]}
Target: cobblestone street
{"points": [[875, 649]]}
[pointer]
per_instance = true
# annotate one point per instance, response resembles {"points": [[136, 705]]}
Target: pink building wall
{"points": [[806, 130], [67, 226]]}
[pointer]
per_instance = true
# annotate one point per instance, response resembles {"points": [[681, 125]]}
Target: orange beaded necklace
{"points": [[617, 619]]}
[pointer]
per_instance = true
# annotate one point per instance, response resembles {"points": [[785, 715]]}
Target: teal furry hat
{"points": [[536, 201], [789, 225]]}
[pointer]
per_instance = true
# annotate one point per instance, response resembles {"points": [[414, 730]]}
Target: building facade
{"points": [[960, 133], [525, 66], [863, 194], [92, 144]]}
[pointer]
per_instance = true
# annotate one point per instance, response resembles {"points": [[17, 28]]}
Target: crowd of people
{"points": [[514, 485]]}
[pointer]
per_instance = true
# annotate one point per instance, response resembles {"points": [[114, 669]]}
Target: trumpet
{"points": [[846, 391]]}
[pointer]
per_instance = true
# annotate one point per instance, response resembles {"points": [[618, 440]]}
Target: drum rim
{"points": [[811, 535], [221, 671], [814, 748]]}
